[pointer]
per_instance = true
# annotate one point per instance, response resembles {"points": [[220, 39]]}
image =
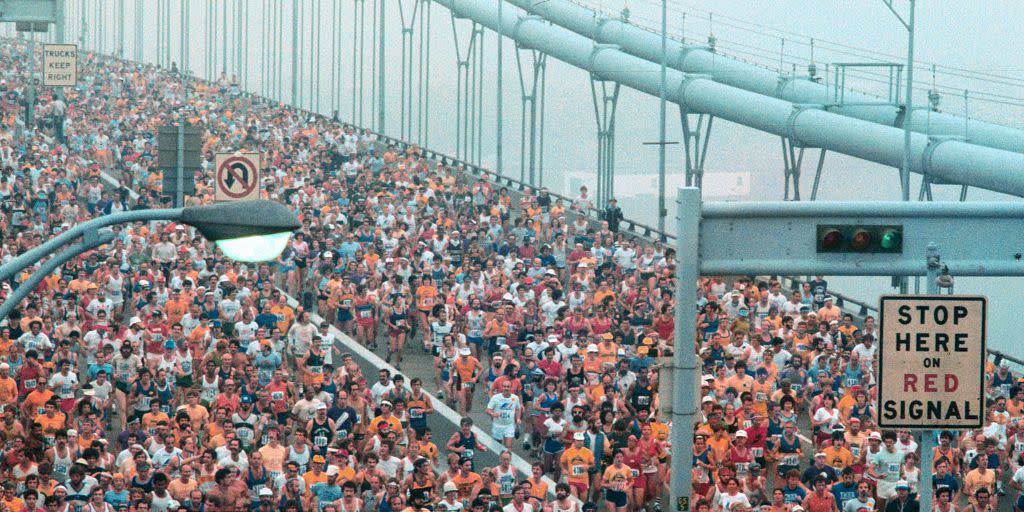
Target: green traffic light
{"points": [[890, 240]]}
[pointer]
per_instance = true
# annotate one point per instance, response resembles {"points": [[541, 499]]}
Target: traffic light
{"points": [[843, 238]]}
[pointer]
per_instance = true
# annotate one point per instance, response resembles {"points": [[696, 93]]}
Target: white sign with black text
{"points": [[931, 362]]}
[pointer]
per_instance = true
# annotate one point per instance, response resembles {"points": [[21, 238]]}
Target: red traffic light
{"points": [[832, 239]]}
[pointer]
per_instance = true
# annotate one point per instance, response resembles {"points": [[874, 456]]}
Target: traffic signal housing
{"points": [[868, 239]]}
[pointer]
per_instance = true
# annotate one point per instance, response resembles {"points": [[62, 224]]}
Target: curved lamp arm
{"points": [[88, 243], [51, 246]]}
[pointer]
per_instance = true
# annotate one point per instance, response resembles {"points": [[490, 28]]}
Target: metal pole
{"points": [[224, 37], [317, 19], [30, 102], [380, 71], [905, 172], [295, 54], [59, 28], [120, 28], [928, 436], [426, 83], [179, 194], [662, 212], [498, 102], [684, 372]]}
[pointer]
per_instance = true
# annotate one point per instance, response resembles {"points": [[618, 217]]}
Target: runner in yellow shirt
{"points": [[576, 462]]}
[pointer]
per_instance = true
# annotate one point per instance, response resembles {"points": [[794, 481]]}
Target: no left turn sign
{"points": [[237, 177]]}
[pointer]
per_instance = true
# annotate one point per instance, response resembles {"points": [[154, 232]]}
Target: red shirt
{"points": [[815, 503]]}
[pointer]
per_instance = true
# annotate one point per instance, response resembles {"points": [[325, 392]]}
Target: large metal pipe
{"points": [[645, 44], [944, 161]]}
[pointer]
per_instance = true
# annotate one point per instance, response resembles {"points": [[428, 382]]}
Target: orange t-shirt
{"points": [[578, 461]]}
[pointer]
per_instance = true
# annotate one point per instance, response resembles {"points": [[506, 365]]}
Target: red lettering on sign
{"points": [[910, 383], [952, 383]]}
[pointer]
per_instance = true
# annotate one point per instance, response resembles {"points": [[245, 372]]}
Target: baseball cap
{"points": [[740, 433], [902, 484], [319, 458], [450, 487], [578, 436], [875, 435], [332, 471], [592, 348], [464, 351]]}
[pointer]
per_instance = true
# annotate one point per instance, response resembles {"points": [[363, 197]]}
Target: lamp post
{"points": [[245, 230], [908, 108]]}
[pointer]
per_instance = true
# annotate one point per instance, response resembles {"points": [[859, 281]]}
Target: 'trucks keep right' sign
{"points": [[931, 362]]}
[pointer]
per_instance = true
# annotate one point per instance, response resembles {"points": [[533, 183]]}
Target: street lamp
{"points": [[232, 227], [908, 23], [248, 231]]}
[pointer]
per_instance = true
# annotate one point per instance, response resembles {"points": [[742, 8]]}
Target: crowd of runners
{"points": [[153, 374]]}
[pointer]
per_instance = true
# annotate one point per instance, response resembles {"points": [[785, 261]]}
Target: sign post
{"points": [[179, 149]]}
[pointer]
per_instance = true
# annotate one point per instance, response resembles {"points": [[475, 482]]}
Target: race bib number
{"points": [[855, 450], [365, 314], [507, 486], [790, 460], [467, 385], [30, 384], [320, 441], [506, 415], [579, 470], [416, 413], [277, 396], [760, 396], [894, 469], [468, 454], [757, 452]]}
